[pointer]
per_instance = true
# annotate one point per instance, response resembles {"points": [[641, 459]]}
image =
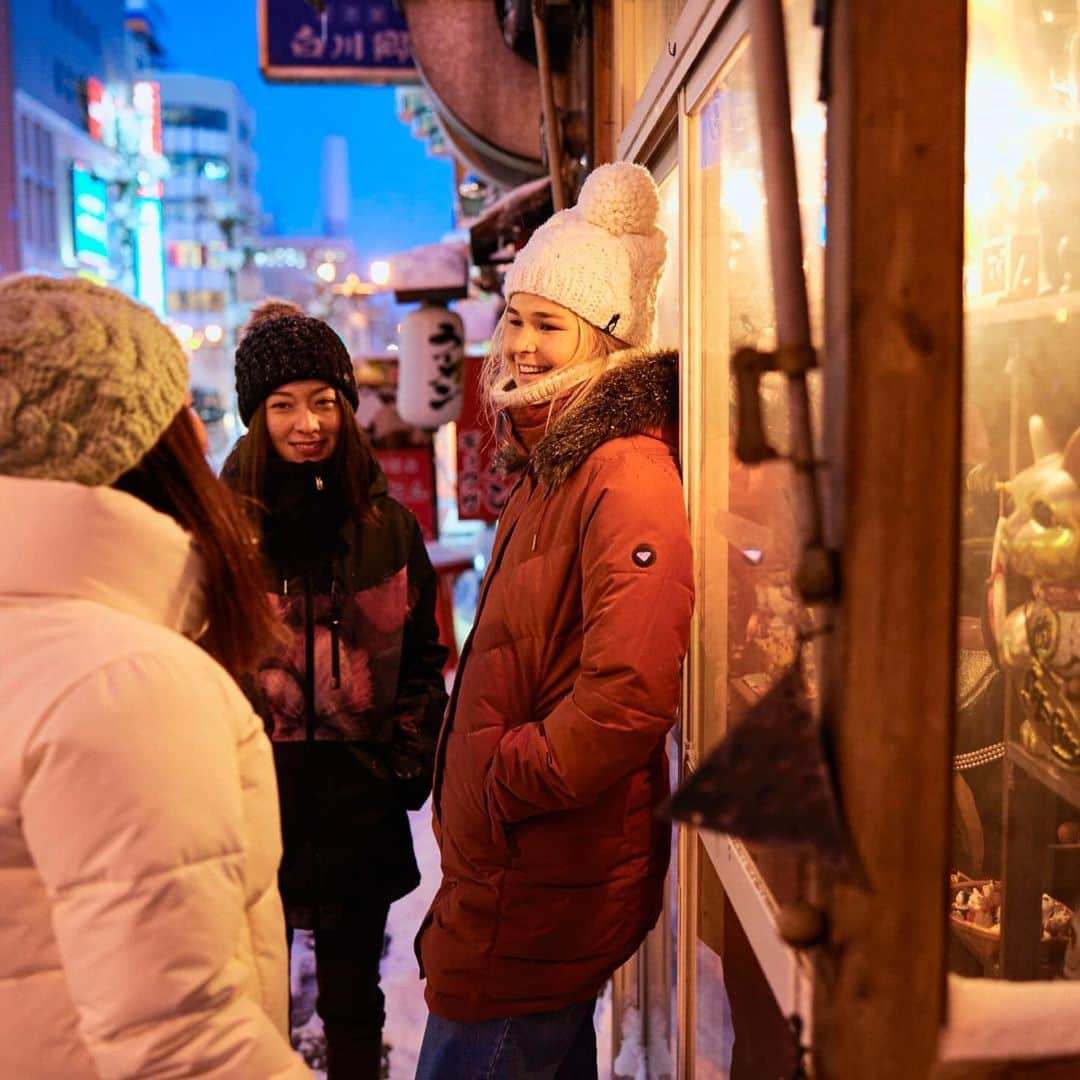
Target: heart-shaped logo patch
{"points": [[644, 555]]}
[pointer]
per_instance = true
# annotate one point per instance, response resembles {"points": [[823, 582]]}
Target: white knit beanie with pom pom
{"points": [[603, 258]]}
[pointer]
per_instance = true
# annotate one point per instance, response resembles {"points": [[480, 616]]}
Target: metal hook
{"points": [[823, 19]]}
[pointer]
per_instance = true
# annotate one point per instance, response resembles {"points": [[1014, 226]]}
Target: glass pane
{"points": [[1016, 859], [667, 296], [644, 31], [747, 546]]}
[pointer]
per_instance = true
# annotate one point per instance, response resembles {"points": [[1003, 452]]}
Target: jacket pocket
{"points": [[481, 745], [440, 894]]}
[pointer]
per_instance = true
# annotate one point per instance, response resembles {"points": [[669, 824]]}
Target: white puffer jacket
{"points": [[141, 933]]}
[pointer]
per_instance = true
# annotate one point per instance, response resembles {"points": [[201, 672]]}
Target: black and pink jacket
{"points": [[354, 700]]}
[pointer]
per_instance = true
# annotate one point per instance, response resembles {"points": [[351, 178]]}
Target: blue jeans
{"points": [[544, 1046]]}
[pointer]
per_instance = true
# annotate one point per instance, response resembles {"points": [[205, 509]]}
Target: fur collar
{"points": [[638, 392]]}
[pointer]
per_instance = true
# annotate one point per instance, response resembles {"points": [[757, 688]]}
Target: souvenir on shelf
{"points": [[1038, 641]]}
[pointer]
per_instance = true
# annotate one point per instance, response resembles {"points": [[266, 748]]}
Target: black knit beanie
{"points": [[284, 350]]}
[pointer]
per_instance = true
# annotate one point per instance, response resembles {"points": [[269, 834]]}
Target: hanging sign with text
{"points": [[410, 478], [349, 41], [481, 488]]}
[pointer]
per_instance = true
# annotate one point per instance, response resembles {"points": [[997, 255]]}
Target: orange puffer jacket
{"points": [[552, 758]]}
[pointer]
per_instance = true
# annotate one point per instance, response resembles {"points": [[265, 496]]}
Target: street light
{"points": [[380, 271], [326, 271], [214, 333]]}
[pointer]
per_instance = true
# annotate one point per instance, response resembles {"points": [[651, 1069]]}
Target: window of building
{"points": [[38, 185], [208, 300], [77, 22], [196, 116], [194, 164], [28, 215]]}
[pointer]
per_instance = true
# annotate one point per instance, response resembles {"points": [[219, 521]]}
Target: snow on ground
{"points": [[406, 1012]]}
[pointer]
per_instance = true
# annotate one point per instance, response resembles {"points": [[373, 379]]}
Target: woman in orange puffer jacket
{"points": [[552, 758]]}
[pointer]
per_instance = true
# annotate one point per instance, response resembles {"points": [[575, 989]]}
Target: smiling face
{"points": [[303, 420], [539, 337]]}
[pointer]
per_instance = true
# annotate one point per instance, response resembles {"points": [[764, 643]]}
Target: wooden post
{"points": [[894, 349], [603, 127], [552, 123]]}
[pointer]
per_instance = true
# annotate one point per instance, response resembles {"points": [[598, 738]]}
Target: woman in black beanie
{"points": [[354, 703]]}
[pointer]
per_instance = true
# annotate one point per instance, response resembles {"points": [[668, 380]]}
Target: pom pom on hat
{"points": [[620, 198], [603, 258], [89, 380], [273, 307]]}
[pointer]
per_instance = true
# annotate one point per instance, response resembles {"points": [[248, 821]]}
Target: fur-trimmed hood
{"points": [[638, 393]]}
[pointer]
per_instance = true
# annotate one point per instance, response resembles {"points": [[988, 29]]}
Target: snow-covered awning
{"points": [[436, 272], [508, 223]]}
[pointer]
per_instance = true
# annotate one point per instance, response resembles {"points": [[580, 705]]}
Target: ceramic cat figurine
{"points": [[1039, 641]]}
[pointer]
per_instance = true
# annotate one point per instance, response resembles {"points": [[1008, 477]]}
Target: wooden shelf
{"points": [[1059, 780], [989, 310]]}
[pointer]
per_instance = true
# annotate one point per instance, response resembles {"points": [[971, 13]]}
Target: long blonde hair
{"points": [[593, 347]]}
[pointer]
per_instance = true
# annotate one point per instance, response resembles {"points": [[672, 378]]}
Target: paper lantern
{"points": [[431, 354]]}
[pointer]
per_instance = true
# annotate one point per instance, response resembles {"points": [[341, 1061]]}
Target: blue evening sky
{"points": [[400, 196]]}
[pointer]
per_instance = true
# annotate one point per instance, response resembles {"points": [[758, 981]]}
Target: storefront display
{"points": [[1020, 542], [946, 681]]}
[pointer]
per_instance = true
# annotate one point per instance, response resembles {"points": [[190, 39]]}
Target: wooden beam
{"points": [[603, 120], [894, 345]]}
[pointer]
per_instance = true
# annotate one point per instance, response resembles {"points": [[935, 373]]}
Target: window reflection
{"points": [[1016, 860]]}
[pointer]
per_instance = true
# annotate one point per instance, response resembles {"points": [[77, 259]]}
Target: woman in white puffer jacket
{"points": [[141, 933]]}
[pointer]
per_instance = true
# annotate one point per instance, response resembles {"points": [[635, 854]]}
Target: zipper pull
{"points": [[335, 639], [285, 586], [335, 655], [536, 536]]}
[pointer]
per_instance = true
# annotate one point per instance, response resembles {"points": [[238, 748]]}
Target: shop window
{"points": [[750, 625], [1016, 771], [754, 621]]}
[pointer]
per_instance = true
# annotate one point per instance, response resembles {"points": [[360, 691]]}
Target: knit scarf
{"points": [[306, 509], [530, 422]]}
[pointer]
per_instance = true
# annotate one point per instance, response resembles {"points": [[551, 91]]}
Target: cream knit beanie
{"points": [[603, 258], [89, 380]]}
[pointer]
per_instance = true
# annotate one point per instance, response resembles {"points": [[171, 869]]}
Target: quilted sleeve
{"points": [[637, 598], [421, 693], [133, 812]]}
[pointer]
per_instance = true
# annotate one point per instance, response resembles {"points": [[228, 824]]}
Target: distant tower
{"points": [[335, 186]]}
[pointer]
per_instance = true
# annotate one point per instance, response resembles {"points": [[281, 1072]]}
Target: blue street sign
{"points": [[351, 41]]}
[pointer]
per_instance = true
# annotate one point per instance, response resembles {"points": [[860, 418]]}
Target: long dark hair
{"points": [[352, 461], [175, 479]]}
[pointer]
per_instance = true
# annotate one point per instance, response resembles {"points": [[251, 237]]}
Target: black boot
{"points": [[350, 1056]]}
